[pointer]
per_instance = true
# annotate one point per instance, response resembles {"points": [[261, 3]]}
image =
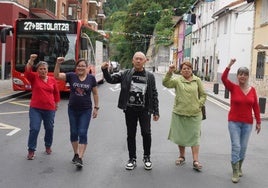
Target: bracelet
{"points": [[97, 108]]}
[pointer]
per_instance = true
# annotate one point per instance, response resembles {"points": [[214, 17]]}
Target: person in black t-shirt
{"points": [[139, 100]]}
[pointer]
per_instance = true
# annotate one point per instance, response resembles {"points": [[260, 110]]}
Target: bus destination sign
{"points": [[46, 26]]}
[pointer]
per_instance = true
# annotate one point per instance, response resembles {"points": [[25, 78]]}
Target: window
{"points": [[63, 9], [260, 65], [264, 12], [225, 24], [218, 29]]}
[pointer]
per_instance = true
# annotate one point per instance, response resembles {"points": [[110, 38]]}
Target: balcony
{"points": [[75, 2], [45, 9]]}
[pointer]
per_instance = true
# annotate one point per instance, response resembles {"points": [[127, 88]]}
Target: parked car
{"points": [[114, 66]]}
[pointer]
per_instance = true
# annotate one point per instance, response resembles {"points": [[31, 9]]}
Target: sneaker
{"points": [[131, 164], [79, 162], [30, 155], [76, 156], [147, 163], [48, 150]]}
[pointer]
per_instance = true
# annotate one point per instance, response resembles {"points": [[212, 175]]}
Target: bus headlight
{"points": [[18, 81]]}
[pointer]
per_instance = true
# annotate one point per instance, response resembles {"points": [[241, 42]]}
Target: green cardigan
{"points": [[189, 95]]}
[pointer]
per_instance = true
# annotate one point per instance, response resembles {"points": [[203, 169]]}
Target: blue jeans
{"points": [[36, 116], [79, 122], [239, 134]]}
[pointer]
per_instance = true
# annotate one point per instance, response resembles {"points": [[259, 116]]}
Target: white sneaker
{"points": [[131, 164], [147, 163]]}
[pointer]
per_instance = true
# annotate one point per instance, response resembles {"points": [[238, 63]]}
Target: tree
{"points": [[164, 29], [140, 23], [132, 22]]}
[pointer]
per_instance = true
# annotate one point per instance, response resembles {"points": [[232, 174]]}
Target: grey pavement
{"points": [[6, 92]]}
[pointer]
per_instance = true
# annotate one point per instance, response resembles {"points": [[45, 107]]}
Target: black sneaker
{"points": [[79, 163], [131, 164], [76, 156], [147, 163]]}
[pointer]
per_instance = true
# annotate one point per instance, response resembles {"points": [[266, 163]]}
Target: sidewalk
{"points": [[221, 96], [6, 92]]}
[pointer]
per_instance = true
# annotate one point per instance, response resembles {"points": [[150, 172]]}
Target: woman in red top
{"points": [[240, 120], [44, 101]]}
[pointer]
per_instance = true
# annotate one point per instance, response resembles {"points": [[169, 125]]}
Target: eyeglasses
{"points": [[81, 66]]}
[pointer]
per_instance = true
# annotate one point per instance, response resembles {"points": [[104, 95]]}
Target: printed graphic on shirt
{"points": [[80, 89], [137, 91]]}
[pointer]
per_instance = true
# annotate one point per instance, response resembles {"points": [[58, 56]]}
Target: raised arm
{"points": [[57, 74], [168, 80], [227, 83], [112, 79], [30, 62]]}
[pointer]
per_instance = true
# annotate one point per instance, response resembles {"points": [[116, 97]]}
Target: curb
{"points": [[13, 96], [220, 100], [263, 117]]}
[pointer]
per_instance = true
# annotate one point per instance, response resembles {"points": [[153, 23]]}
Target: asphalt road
{"points": [[106, 154]]}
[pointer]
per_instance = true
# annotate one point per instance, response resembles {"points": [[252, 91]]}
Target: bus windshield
{"points": [[48, 46]]}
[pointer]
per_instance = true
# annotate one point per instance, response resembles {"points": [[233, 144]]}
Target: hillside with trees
{"points": [[132, 23]]}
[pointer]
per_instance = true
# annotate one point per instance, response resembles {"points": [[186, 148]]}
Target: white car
{"points": [[114, 67]]}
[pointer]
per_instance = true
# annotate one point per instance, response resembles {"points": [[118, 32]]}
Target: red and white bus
{"points": [[50, 39]]}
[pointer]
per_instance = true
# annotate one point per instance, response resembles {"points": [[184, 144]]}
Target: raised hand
{"points": [[60, 60], [32, 58], [171, 68], [105, 65], [232, 61]]}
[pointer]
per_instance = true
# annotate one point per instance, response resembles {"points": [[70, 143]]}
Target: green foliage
{"points": [[164, 29], [112, 6], [132, 22], [141, 25], [118, 44]]}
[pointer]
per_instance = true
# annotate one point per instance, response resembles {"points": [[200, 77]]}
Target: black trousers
{"points": [[132, 118]]}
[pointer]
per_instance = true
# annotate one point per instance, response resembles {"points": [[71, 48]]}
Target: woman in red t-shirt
{"points": [[240, 119], [43, 105]]}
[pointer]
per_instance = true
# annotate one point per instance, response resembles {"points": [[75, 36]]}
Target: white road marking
{"points": [[19, 103], [12, 99], [115, 88], [19, 112], [9, 127], [222, 105], [171, 91]]}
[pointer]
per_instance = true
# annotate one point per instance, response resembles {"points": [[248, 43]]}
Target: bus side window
{"points": [[83, 44], [84, 48]]}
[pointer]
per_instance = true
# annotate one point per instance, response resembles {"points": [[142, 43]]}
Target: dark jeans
{"points": [[36, 118], [132, 117], [79, 122]]}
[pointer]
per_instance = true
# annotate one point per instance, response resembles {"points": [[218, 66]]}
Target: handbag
{"points": [[203, 108], [204, 115]]}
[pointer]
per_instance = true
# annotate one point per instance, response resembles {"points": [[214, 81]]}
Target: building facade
{"points": [[259, 68], [90, 12]]}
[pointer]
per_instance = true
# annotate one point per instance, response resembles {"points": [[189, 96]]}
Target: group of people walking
{"points": [[138, 99]]}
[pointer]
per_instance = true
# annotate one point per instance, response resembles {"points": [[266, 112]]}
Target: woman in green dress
{"points": [[185, 127]]}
